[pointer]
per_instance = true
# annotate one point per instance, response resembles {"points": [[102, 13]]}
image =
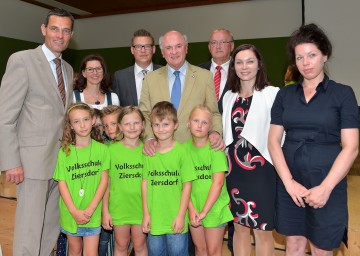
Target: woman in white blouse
{"points": [[93, 85]]}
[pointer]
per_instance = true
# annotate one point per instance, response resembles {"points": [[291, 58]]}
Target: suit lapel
{"points": [[130, 76], [45, 66], [189, 83], [163, 85]]}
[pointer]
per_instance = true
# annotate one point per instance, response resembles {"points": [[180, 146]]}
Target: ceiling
{"points": [[96, 8]]}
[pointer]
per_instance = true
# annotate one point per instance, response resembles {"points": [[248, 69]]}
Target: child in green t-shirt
{"points": [[122, 206], [109, 118], [208, 208], [166, 186], [82, 174]]}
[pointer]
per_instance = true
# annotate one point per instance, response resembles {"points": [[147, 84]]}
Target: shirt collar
{"points": [[323, 84], [50, 56], [225, 66], [138, 69], [182, 69]]}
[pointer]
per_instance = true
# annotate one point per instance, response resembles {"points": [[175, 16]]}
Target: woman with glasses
{"points": [[93, 85]]}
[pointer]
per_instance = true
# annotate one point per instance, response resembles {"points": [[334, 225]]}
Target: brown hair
{"points": [[162, 110], [261, 76], [69, 136]]}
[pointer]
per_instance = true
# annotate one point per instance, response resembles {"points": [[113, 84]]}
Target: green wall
{"points": [[273, 50]]}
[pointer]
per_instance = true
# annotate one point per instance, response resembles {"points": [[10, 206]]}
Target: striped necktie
{"points": [[61, 84], [217, 80]]}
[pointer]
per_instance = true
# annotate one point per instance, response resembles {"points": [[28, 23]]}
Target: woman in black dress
{"points": [[320, 118], [251, 180]]}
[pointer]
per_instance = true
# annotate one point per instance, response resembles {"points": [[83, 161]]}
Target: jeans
{"points": [[104, 242], [168, 245]]}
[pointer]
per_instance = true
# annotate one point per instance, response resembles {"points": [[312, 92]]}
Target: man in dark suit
{"points": [[127, 83], [35, 90], [221, 45]]}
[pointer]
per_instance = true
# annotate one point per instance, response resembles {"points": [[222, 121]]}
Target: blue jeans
{"points": [[104, 242], [168, 245]]}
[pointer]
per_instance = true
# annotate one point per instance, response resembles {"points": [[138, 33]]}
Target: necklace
{"points": [[82, 175], [97, 102]]}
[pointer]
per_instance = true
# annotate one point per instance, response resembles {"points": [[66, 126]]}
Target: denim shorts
{"points": [[168, 245], [83, 232]]}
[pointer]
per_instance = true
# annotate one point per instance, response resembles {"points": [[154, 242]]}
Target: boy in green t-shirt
{"points": [[166, 186]]}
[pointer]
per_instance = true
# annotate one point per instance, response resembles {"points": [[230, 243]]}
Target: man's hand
{"points": [[149, 147], [216, 141], [15, 175]]}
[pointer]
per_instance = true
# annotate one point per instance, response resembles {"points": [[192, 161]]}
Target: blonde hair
{"points": [[69, 136], [203, 108], [128, 110]]}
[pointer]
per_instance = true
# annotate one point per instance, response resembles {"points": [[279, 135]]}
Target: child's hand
{"points": [[80, 217], [89, 212], [202, 216], [107, 221], [194, 217], [178, 225], [146, 222]]}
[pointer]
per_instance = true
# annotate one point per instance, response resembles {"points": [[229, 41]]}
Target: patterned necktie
{"points": [[176, 90], [61, 84], [217, 80], [144, 72]]}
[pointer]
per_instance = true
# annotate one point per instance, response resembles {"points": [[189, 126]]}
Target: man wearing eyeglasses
{"points": [[35, 91], [195, 86], [221, 45], [127, 83]]}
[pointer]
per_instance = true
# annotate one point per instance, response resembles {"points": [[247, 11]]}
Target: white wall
{"points": [[341, 21], [249, 19], [20, 20]]}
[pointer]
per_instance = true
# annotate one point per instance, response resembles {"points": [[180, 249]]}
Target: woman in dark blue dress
{"points": [[320, 118]]}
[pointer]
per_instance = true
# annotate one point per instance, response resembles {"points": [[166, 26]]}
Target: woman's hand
{"points": [[297, 192], [317, 196]]}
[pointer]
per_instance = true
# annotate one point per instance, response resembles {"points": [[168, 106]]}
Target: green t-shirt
{"points": [[81, 170], [125, 174], [206, 162], [165, 173]]}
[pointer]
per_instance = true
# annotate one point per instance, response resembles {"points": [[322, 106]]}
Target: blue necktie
{"points": [[176, 90]]}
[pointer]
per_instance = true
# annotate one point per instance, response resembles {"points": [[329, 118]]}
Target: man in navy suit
{"points": [[221, 45], [127, 83]]}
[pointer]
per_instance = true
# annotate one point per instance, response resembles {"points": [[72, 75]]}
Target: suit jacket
{"points": [[207, 65], [124, 86], [198, 89], [31, 114]]}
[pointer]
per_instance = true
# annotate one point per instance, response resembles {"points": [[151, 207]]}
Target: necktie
{"points": [[61, 84], [176, 90], [144, 72], [217, 80]]}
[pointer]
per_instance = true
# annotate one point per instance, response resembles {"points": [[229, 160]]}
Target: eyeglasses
{"points": [[65, 31], [220, 43], [139, 47], [92, 70]]}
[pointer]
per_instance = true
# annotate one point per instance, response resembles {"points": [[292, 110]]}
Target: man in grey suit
{"points": [[35, 92], [196, 87], [221, 44], [127, 83]]}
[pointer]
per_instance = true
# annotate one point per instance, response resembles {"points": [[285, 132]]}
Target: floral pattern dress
{"points": [[251, 180]]}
